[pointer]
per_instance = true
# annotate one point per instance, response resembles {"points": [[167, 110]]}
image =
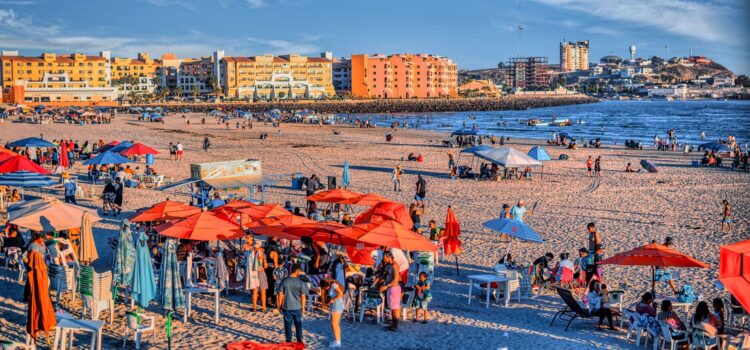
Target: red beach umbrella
{"points": [[276, 226], [389, 233], [64, 161], [370, 199], [361, 254], [264, 211], [204, 226], [386, 211], [166, 210], [338, 195], [138, 149], [653, 255], [452, 244], [19, 163], [734, 271]]}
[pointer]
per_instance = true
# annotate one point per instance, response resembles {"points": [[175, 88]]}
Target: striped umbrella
{"points": [[514, 228], [25, 178], [170, 292]]}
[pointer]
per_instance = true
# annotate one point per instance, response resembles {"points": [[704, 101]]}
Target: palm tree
{"points": [[195, 92], [177, 92]]}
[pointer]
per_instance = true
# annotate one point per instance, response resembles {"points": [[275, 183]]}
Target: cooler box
{"points": [[150, 159]]}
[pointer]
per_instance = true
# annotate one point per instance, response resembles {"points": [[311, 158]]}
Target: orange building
{"points": [[403, 76], [75, 67]]}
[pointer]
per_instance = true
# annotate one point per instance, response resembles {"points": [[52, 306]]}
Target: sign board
{"points": [[227, 169]]}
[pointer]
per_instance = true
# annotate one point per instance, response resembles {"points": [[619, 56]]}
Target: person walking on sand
{"points": [[421, 191], [598, 166], [451, 161], [518, 211], [589, 165], [290, 300], [726, 221], [206, 144], [397, 178], [595, 246], [179, 150]]}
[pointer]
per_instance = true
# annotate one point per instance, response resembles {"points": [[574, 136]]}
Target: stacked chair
{"points": [[95, 291]]}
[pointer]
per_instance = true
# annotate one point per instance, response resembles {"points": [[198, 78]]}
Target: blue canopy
{"points": [[121, 147], [715, 146], [345, 179], [468, 131], [539, 153], [107, 157], [142, 284], [25, 178], [476, 149], [32, 142], [170, 293], [514, 228]]}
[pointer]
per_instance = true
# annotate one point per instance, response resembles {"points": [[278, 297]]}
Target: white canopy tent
{"points": [[507, 157]]}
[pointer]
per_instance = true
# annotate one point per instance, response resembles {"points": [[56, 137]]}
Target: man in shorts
{"points": [[421, 192], [179, 150], [392, 289], [726, 221]]}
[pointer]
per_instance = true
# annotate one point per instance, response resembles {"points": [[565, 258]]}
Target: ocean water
{"points": [[612, 121]]}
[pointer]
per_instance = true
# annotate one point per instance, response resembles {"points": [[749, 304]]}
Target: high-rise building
{"points": [[342, 75], [403, 76], [526, 73], [574, 56], [276, 77]]}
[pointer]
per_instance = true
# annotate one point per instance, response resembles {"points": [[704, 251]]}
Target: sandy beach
{"points": [[629, 209]]}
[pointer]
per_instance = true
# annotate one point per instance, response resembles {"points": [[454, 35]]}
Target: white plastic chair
{"points": [[616, 302], [96, 295], [668, 337], [371, 302], [407, 303], [139, 328], [635, 327], [700, 339]]}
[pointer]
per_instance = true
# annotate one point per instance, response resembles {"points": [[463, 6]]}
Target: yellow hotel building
{"points": [[142, 67], [75, 67], [269, 77]]}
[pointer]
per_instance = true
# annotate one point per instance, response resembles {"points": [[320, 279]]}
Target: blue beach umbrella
{"points": [[539, 153], [345, 179], [124, 259], [25, 178], [142, 282], [32, 142], [170, 293], [514, 228], [121, 147], [108, 157]]}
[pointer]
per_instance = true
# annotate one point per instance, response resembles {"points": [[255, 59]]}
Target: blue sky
{"points": [[475, 33]]}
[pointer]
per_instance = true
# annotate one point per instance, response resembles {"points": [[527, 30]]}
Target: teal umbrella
{"points": [[142, 283], [345, 179], [170, 294], [124, 258]]}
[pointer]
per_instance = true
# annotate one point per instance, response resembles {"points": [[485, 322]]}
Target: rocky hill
{"points": [[674, 72]]}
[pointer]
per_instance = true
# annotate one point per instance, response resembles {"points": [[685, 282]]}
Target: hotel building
{"points": [[574, 56], [132, 74], [403, 76], [276, 77]]}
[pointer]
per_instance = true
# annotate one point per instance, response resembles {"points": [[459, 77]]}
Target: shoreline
{"points": [[395, 105]]}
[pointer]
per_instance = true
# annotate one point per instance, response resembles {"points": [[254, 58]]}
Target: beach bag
{"points": [[686, 294]]}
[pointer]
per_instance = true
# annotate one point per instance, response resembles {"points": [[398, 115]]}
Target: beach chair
{"points": [[95, 291], [700, 339], [11, 345], [371, 300], [64, 280], [674, 338], [136, 324], [735, 312], [616, 303], [636, 324], [313, 285], [407, 303], [350, 300], [572, 309]]}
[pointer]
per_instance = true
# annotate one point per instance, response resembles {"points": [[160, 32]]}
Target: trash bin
{"points": [[150, 159]]}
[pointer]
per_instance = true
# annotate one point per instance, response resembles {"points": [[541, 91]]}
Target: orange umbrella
{"points": [[386, 211], [166, 210], [734, 271], [236, 204], [452, 244], [204, 226], [653, 255], [322, 232], [338, 195], [41, 315], [19, 163], [264, 211], [370, 199], [231, 214], [138, 149], [389, 233], [361, 254]]}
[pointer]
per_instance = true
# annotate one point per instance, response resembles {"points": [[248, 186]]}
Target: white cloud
{"points": [[700, 20], [256, 4]]}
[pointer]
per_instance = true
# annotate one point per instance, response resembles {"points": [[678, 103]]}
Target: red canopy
{"points": [[452, 244], [734, 271], [138, 149], [388, 233], [167, 210], [19, 163], [264, 211], [204, 226], [386, 211], [5, 156], [653, 255], [338, 195], [370, 199], [4, 150]]}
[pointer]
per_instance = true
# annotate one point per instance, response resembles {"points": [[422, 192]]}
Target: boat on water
{"points": [[553, 122]]}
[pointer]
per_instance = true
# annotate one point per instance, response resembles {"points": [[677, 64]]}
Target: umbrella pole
{"points": [[457, 272], [168, 327], [653, 281]]}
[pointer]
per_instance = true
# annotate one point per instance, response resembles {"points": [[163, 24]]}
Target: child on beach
{"points": [[423, 297], [726, 221], [589, 165]]}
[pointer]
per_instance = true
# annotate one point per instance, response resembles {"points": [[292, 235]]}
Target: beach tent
{"points": [[653, 255], [107, 158], [508, 157], [32, 142], [715, 146], [21, 163], [468, 132], [539, 153], [734, 271]]}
